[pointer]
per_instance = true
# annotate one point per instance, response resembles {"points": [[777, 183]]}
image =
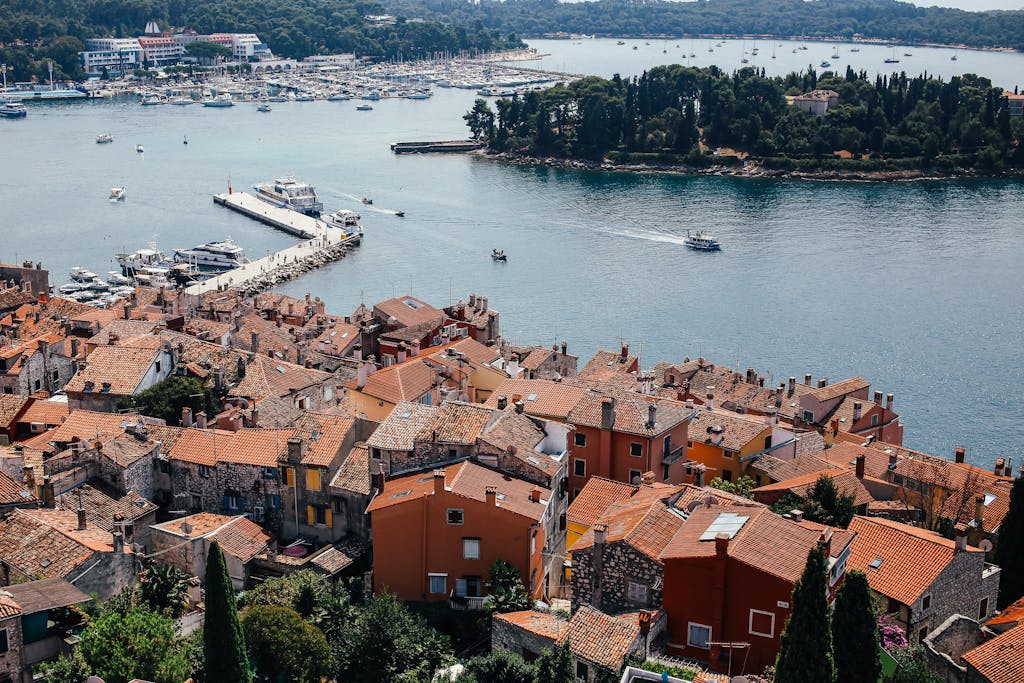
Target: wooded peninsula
{"points": [[803, 122]]}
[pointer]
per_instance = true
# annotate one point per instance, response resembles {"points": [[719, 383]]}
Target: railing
{"points": [[468, 603]]}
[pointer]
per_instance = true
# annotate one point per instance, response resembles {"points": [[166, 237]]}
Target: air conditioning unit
{"points": [[257, 513]]}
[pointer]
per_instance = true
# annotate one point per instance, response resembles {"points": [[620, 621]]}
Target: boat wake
{"points": [[649, 235], [370, 208]]}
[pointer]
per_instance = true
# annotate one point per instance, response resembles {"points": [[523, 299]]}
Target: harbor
{"points": [[292, 222]]}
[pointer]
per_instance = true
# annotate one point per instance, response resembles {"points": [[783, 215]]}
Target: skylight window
{"points": [[501, 496], [989, 497], [401, 494], [726, 523], [876, 563], [532, 397], [281, 369], [411, 303], [407, 414]]}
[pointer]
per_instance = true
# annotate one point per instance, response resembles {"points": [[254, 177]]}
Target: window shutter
{"points": [[329, 518], [312, 480], [290, 476], [227, 502], [310, 515]]}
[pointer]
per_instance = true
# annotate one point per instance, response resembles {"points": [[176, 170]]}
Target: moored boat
{"points": [[364, 107], [12, 110], [223, 100], [345, 220], [288, 193], [264, 107], [224, 254]]}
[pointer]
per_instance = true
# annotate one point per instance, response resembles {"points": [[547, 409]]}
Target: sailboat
{"points": [[835, 52], [953, 58], [892, 60], [185, 141], [773, 52]]}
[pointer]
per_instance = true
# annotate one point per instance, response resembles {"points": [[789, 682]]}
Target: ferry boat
{"points": [[225, 254], [288, 193], [12, 110], [104, 138], [117, 194], [701, 241], [220, 101], [345, 220]]}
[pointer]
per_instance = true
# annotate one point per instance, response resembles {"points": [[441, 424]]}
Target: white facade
{"points": [[246, 46], [116, 54]]}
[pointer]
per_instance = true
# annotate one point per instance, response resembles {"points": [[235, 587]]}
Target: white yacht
{"points": [[264, 107], [104, 138], [289, 193], [702, 241], [183, 101], [117, 194], [142, 258], [225, 254], [345, 220], [12, 110], [223, 100], [152, 100]]}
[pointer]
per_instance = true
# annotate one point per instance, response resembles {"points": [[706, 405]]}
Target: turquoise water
{"points": [[916, 286]]}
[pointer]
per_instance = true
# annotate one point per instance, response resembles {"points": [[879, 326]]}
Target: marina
{"points": [[289, 221]]}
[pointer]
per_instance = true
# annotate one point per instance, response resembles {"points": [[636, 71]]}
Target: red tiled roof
{"points": [[631, 411], [122, 366], [600, 638], [324, 435], [13, 492], [609, 367], [406, 381], [543, 624], [645, 523], [86, 424], [46, 412], [407, 310], [399, 430], [912, 558], [456, 423], [273, 377], [1011, 614], [238, 536], [354, 473], [598, 494], [550, 399], [739, 430], [10, 406], [259, 447], [47, 543], [1000, 660], [846, 483], [847, 386]]}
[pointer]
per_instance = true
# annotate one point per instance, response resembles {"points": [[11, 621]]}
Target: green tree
{"points": [[283, 647], [1010, 551], [500, 666], [855, 632], [555, 665], [824, 504], [204, 50], [911, 667], [385, 640], [480, 120], [140, 644], [741, 487], [166, 399], [223, 644], [805, 655], [507, 592], [69, 668], [164, 589]]}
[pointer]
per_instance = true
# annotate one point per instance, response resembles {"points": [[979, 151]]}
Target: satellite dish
{"points": [[986, 545]]}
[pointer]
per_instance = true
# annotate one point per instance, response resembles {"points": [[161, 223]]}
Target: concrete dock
{"points": [[293, 222]]}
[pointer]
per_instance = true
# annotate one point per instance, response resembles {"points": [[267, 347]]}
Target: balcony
{"points": [[468, 603]]}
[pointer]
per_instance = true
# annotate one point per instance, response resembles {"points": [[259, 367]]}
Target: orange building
{"points": [[437, 534], [722, 442]]}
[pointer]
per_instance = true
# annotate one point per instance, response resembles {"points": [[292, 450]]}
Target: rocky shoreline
{"points": [[291, 271], [748, 169]]}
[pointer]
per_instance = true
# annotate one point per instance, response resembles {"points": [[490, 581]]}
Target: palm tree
{"points": [[165, 589]]}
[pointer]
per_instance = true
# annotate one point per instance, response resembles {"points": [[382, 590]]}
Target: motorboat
{"points": [[142, 258], [339, 97], [12, 110], [702, 241], [81, 275], [364, 107], [264, 106], [367, 200], [117, 194], [224, 254], [104, 138], [825, 65], [345, 220], [400, 214], [289, 193], [498, 255], [140, 149], [152, 100], [220, 101], [116, 278], [183, 101]]}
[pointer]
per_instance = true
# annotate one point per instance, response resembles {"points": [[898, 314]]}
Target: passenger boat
{"points": [[104, 138], [224, 254], [345, 220], [498, 255], [117, 194], [12, 110], [701, 241], [288, 193], [223, 100]]}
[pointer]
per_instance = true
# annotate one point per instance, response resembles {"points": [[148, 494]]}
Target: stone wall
{"points": [[105, 574], [620, 564], [946, 644], [191, 483], [10, 661], [38, 373], [505, 636], [959, 589]]}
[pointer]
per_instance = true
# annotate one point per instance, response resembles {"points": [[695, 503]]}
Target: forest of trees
{"points": [[34, 31], [882, 19], [678, 114]]}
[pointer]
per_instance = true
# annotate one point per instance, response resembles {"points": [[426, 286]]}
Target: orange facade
{"points": [[438, 543], [624, 457]]}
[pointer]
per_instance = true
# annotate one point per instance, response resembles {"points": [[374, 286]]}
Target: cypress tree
{"points": [[1010, 551], [806, 652], [223, 643], [855, 632]]}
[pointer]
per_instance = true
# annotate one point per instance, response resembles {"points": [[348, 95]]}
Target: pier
{"points": [[439, 146], [321, 245]]}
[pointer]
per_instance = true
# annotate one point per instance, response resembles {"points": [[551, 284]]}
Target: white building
{"points": [[248, 47], [117, 55]]}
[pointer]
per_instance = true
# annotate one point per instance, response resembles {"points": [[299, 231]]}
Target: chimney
{"points": [[186, 416], [652, 415], [647, 478], [600, 534], [979, 512], [709, 400], [357, 351], [439, 481], [771, 416], [959, 454], [826, 540], [490, 494], [860, 466], [856, 410], [625, 353], [201, 420], [888, 401], [363, 371], [127, 311], [520, 406], [961, 537], [565, 348], [296, 447], [796, 515], [29, 477], [535, 494], [483, 304], [502, 402], [240, 367], [472, 301], [377, 479], [823, 382], [320, 306], [414, 349], [878, 397], [751, 376], [807, 380], [607, 412], [81, 519], [792, 385], [48, 497], [721, 545], [118, 542], [998, 468], [401, 353]]}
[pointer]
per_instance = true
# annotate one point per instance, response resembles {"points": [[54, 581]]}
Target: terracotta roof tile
{"points": [[535, 358], [609, 367], [238, 536], [1011, 614], [258, 447], [693, 496], [119, 331], [324, 436], [519, 436], [600, 638], [8, 607], [631, 411], [597, 495], [103, 508], [550, 399], [475, 352], [399, 430], [13, 492], [847, 386], [354, 473], [47, 543], [543, 624], [336, 339], [407, 310], [46, 412], [86, 424], [739, 430], [11, 406], [644, 522], [123, 367], [846, 483], [337, 557], [415, 332], [273, 377], [912, 558], [456, 422], [1000, 660], [406, 381]]}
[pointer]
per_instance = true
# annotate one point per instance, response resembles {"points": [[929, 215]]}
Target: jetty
{"points": [[438, 146], [321, 245], [293, 222]]}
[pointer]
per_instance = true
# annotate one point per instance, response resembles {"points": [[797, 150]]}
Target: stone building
{"points": [[41, 364], [185, 543]]}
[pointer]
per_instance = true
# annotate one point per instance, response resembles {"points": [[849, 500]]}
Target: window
{"points": [[874, 420], [762, 623], [579, 467], [204, 470], [726, 454], [533, 544], [288, 476], [922, 634], [926, 602], [768, 442], [233, 502], [582, 671], [312, 480], [757, 479], [727, 475], [808, 416], [339, 505], [319, 516], [164, 465], [3, 641], [689, 444], [468, 586], [37, 385], [56, 375], [561, 522], [471, 548], [636, 449], [455, 515], [636, 592], [438, 583], [698, 635], [983, 609], [668, 444], [158, 366], [634, 476], [8, 390], [580, 439], [197, 502], [270, 473]]}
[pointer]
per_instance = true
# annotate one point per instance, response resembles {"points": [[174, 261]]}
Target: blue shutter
{"points": [[277, 502], [227, 502]]}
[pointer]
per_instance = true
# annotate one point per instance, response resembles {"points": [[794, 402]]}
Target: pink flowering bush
{"points": [[892, 636]]}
